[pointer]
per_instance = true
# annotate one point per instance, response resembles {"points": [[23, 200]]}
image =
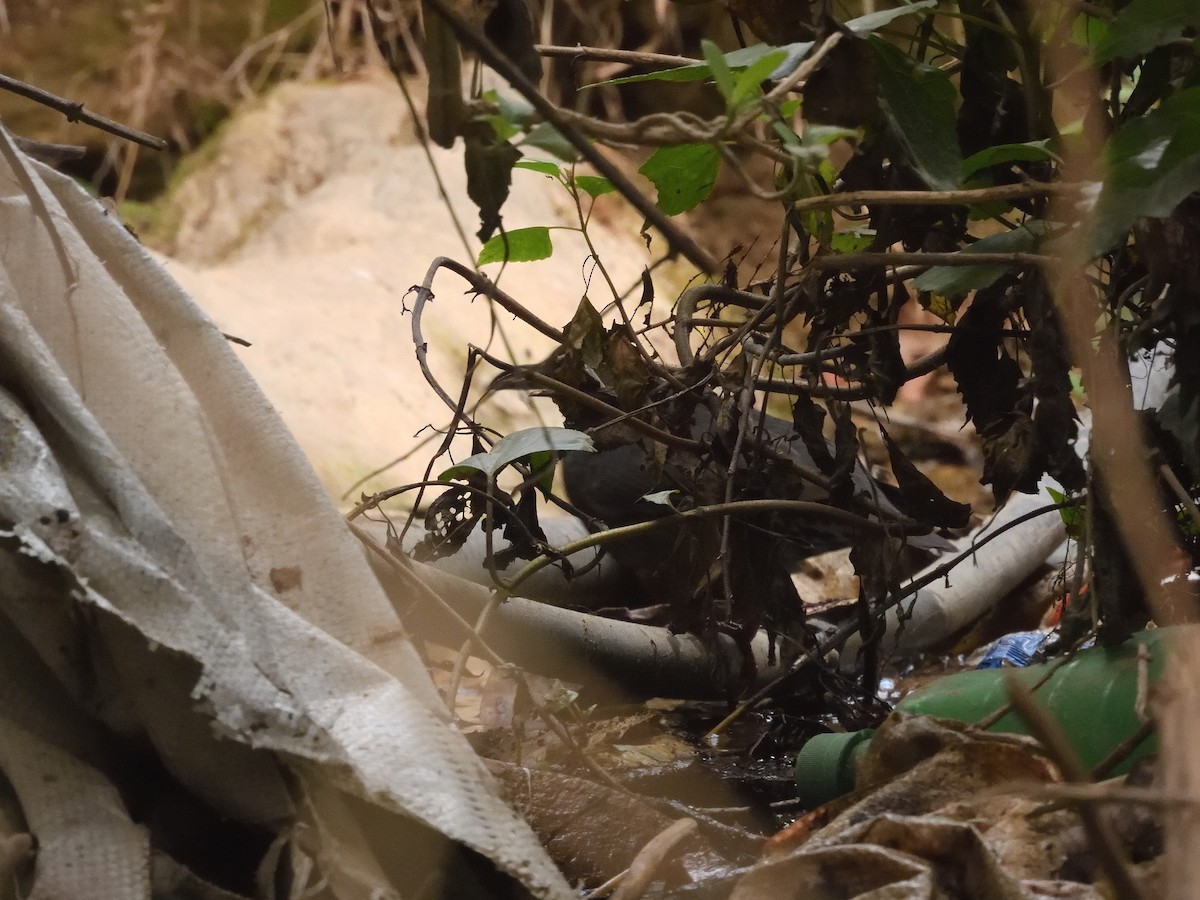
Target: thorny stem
{"points": [[424, 295]]}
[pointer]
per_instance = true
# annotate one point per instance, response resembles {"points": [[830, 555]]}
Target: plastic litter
{"points": [[1098, 698], [1017, 649]]}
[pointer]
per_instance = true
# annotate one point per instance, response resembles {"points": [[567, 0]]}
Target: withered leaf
{"points": [[489, 175], [919, 497], [1008, 457]]}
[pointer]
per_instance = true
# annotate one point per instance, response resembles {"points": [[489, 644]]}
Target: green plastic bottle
{"points": [[1093, 698]]}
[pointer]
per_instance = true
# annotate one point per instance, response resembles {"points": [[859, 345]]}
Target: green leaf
{"points": [[748, 84], [876, 20], [816, 133], [1088, 31], [1143, 25], [794, 55], [662, 498], [501, 127], [1153, 163], [680, 74], [489, 175], [1072, 516], [938, 304], [818, 223], [748, 56], [814, 145], [513, 114], [523, 245], [918, 101], [789, 108], [594, 185], [721, 72], [512, 107], [520, 445], [1033, 151], [537, 165], [684, 175], [852, 241], [955, 281], [546, 137]]}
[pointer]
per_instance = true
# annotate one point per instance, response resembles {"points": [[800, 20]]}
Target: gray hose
{"points": [[631, 659]]}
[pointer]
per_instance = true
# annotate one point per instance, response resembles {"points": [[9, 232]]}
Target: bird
{"points": [[662, 449]]}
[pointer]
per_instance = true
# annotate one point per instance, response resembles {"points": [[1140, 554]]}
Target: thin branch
{"points": [[831, 514], [863, 391], [936, 198], [75, 112], [958, 258], [603, 54]]}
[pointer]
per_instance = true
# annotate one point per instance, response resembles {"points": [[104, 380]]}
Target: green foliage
{"points": [[872, 22], [720, 67], [518, 245], [1031, 151], [537, 446], [1072, 516], [683, 175], [1153, 163], [594, 185], [987, 104], [534, 243], [958, 281], [1145, 24], [852, 241], [919, 103]]}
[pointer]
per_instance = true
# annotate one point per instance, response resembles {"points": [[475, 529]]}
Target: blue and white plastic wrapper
{"points": [[1017, 649]]}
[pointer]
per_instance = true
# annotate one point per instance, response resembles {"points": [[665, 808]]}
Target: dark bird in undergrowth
{"points": [[670, 442]]}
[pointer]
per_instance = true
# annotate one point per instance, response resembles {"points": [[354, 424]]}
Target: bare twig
{"points": [[935, 198], [957, 258], [75, 112], [604, 54]]}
